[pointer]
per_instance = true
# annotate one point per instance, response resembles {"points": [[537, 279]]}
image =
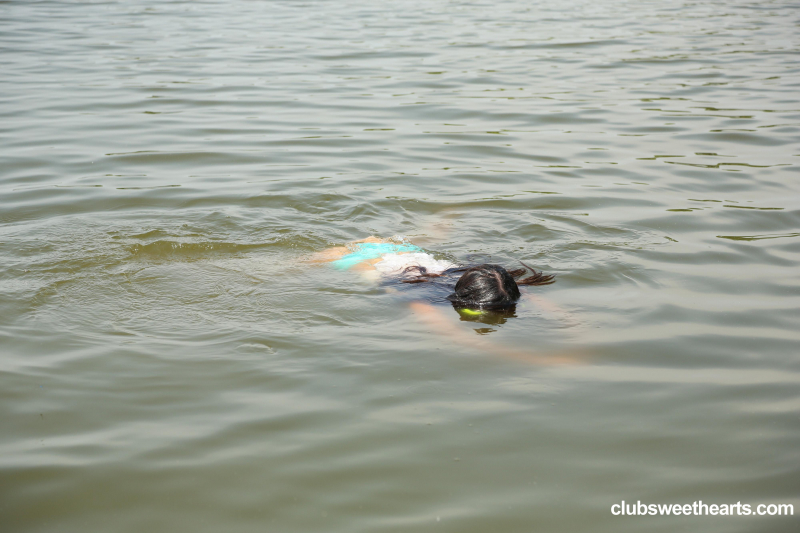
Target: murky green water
{"points": [[169, 363]]}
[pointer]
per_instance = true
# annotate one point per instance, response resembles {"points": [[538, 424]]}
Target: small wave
{"points": [[163, 249]]}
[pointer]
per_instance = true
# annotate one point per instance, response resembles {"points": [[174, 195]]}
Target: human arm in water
{"points": [[443, 324]]}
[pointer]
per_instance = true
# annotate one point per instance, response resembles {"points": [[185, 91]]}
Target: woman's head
{"points": [[492, 287], [485, 287]]}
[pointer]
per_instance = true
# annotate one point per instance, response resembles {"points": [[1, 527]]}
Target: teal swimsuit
{"points": [[371, 250]]}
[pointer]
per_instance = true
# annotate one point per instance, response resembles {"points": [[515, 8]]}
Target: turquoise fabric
{"points": [[371, 250]]}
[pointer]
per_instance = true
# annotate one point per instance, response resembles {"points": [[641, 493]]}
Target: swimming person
{"points": [[479, 288], [483, 293]]}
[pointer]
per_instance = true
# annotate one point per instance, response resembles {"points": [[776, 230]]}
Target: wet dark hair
{"points": [[484, 286], [492, 287]]}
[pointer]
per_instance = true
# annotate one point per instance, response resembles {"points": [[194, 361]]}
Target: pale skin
{"points": [[337, 252], [445, 324]]}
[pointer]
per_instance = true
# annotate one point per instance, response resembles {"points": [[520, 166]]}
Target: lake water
{"points": [[170, 362]]}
